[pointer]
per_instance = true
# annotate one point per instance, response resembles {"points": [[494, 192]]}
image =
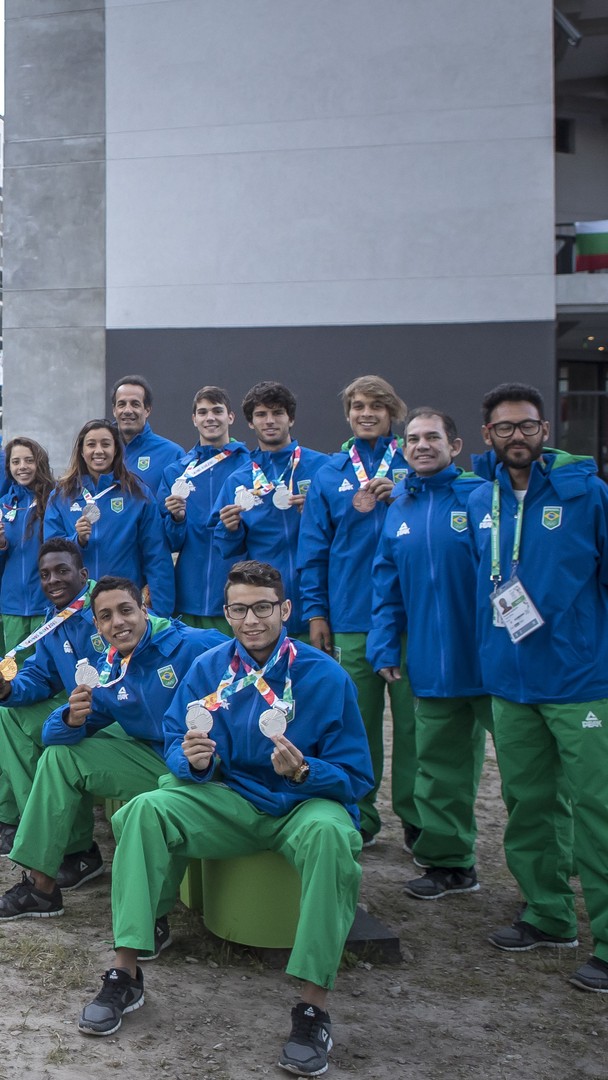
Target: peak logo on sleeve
{"points": [[486, 523], [346, 485], [403, 530]]}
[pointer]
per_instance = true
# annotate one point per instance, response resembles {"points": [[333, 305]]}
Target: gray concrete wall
{"points": [[54, 200], [581, 178], [334, 162]]}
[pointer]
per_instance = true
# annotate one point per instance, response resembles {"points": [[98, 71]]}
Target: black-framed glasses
{"points": [[262, 609], [504, 428]]}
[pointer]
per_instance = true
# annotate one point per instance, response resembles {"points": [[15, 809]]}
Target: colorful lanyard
{"points": [[90, 499], [10, 512], [262, 486], [195, 470], [228, 687], [383, 468], [495, 574], [48, 627], [108, 664]]}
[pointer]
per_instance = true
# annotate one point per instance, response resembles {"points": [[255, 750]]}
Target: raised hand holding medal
{"points": [[91, 512], [198, 718], [8, 668], [180, 488], [86, 674], [244, 498], [364, 500], [273, 721]]}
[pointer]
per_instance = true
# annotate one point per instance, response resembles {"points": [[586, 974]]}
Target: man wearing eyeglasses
{"points": [[540, 533], [269, 753]]}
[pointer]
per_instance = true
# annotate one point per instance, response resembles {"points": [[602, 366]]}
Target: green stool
{"points": [[253, 899]]}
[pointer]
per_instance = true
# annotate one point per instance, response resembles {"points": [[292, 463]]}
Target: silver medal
{"points": [[198, 718], [86, 674], [273, 722], [180, 488], [1, 514], [281, 497], [91, 512], [244, 498]]}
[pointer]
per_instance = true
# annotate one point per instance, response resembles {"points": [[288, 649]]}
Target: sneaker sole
{"points": [[84, 1030], [89, 877], [297, 1070], [155, 956], [535, 945], [585, 986], [31, 915], [447, 892]]}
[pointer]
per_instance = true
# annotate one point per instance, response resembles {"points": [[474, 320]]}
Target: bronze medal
{"points": [[364, 500], [8, 668]]}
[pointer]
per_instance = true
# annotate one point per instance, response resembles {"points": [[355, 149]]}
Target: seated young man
{"points": [[242, 785], [147, 659], [41, 686]]}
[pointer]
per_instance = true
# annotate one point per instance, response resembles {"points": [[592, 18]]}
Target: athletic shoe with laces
{"points": [[120, 994], [24, 901], [592, 976], [79, 867], [523, 937], [7, 838], [441, 881], [162, 939], [305, 1052]]}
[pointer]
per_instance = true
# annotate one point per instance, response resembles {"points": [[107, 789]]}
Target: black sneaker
{"points": [[162, 939], [305, 1052], [523, 937], [79, 867], [7, 838], [441, 880], [410, 835], [592, 976], [119, 994], [368, 838], [24, 901]]}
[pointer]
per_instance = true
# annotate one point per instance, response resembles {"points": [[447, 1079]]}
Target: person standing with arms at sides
{"points": [[341, 525], [424, 576], [540, 534], [257, 514], [112, 516], [22, 600], [146, 453], [186, 497]]}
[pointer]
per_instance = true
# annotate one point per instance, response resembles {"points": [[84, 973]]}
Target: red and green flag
{"points": [[591, 245]]}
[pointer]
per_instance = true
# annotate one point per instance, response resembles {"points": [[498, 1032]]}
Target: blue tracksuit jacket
{"points": [[564, 567], [200, 572], [265, 532], [338, 543], [159, 663], [128, 539], [148, 454], [51, 668], [424, 579], [20, 592], [327, 728]]}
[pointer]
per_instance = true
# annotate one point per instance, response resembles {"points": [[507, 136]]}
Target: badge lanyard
{"points": [[228, 687], [495, 575], [383, 468], [48, 627], [195, 470], [262, 486]]}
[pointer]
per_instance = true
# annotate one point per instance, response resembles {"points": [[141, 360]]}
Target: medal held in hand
{"points": [[86, 674], [198, 718], [364, 500], [273, 722], [281, 497], [244, 498], [91, 512], [180, 488], [8, 668]]}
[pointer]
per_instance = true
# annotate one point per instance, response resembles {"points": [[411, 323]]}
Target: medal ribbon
{"points": [[10, 512], [90, 499], [195, 470], [262, 486], [383, 468], [228, 686], [48, 627], [108, 663], [495, 574]]}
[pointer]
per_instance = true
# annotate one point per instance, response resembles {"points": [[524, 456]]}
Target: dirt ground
{"points": [[453, 1008]]}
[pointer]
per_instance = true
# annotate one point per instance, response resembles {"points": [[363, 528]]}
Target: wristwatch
{"points": [[301, 773]]}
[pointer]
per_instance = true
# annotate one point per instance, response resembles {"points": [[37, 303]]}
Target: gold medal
{"points": [[8, 668]]}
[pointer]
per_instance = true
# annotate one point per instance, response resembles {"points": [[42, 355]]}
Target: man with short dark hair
{"points": [[257, 514], [43, 682], [540, 534], [281, 769], [135, 681], [186, 497], [146, 453], [424, 576]]}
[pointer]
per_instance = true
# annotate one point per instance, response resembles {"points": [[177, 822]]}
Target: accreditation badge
{"points": [[515, 610]]}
